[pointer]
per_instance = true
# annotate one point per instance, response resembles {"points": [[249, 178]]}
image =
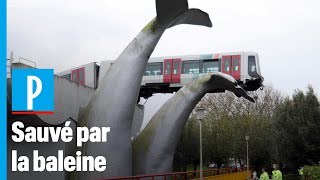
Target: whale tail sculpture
{"points": [[154, 148], [113, 102], [178, 12], [226, 82]]}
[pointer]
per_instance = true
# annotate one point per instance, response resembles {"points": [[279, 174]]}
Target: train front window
{"points": [[210, 66], [227, 63], [190, 67], [153, 69], [252, 64]]}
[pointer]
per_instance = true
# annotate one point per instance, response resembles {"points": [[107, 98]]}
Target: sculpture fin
{"points": [[153, 149], [176, 12], [230, 84], [242, 93], [167, 10], [193, 17]]}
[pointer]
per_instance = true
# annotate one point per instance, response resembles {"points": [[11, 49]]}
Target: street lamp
{"points": [[247, 139], [200, 115]]}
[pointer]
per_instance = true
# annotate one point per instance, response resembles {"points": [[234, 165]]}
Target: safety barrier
{"points": [[27, 62], [22, 63], [8, 68], [231, 176], [215, 174]]}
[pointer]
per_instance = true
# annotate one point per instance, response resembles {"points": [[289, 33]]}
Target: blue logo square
{"points": [[33, 90]]}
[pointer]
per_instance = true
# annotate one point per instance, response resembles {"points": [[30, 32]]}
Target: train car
{"points": [[86, 74], [169, 74]]}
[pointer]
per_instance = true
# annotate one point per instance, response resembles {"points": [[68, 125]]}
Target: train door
{"points": [[74, 75], [226, 65], [167, 66], [236, 64], [176, 72], [81, 76], [172, 71], [78, 76], [231, 65]]}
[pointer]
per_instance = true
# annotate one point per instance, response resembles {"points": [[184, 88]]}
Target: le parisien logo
{"points": [[32, 91]]}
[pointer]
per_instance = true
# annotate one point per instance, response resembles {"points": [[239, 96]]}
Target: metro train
{"points": [[169, 74]]}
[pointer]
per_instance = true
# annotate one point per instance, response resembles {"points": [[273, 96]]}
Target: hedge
{"points": [[311, 172]]}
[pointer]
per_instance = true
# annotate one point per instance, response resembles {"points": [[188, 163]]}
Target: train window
{"points": [[153, 69], [235, 64], [67, 77], [210, 66], [176, 67], [168, 67], [251, 64], [190, 67], [74, 76], [227, 63]]}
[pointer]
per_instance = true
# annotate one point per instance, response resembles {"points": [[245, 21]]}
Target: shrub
{"points": [[311, 172]]}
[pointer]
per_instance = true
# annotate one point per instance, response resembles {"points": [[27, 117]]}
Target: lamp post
{"points": [[247, 139], [200, 115]]}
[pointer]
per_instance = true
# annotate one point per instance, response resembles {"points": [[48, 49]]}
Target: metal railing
{"points": [[9, 68], [9, 65], [29, 61], [180, 175], [21, 61]]}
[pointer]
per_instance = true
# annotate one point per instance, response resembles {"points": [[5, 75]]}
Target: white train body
{"points": [[85, 74], [168, 74]]}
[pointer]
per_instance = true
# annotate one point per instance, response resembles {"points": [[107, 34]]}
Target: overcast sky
{"points": [[62, 34]]}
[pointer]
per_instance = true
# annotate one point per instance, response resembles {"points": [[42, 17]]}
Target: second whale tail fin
{"points": [[177, 12], [193, 17]]}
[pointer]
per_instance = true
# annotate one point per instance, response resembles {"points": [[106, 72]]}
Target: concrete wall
{"points": [[69, 97]]}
